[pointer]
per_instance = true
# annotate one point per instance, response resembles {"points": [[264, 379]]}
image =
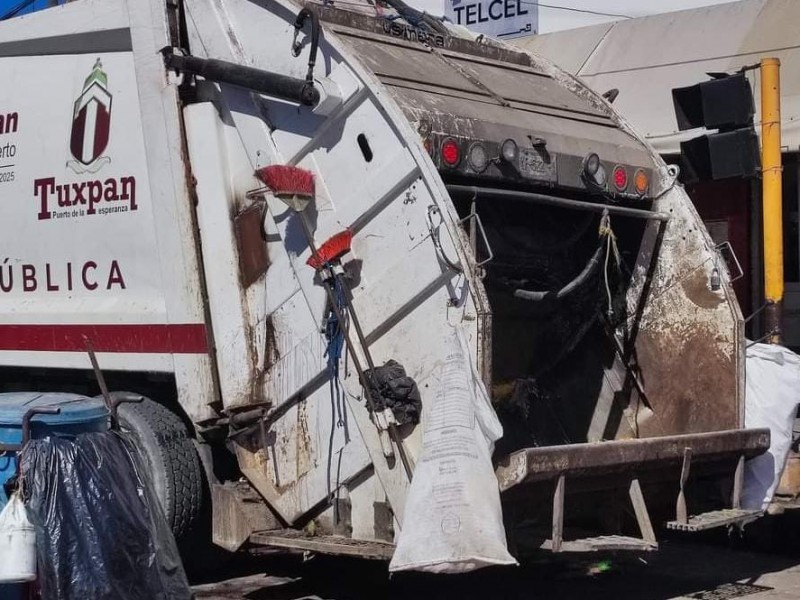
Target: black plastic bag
{"points": [[397, 391], [100, 531]]}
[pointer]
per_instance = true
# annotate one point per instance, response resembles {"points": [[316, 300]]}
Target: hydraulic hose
{"points": [[304, 14], [583, 277]]}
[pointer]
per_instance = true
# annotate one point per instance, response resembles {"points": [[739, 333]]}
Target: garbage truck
{"points": [[436, 188]]}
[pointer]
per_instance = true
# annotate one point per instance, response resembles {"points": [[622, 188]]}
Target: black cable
{"points": [[315, 29], [578, 10]]}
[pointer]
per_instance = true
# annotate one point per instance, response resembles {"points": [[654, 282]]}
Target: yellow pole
{"points": [[772, 194]]}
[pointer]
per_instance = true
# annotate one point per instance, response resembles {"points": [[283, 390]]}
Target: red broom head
{"points": [[286, 180], [334, 248]]}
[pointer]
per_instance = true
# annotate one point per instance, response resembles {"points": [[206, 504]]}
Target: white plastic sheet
{"points": [[453, 520], [771, 399]]}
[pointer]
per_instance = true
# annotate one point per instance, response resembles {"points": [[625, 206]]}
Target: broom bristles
{"points": [[286, 180], [332, 249]]}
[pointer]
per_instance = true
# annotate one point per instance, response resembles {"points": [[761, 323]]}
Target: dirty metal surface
{"points": [[253, 261], [401, 33], [537, 464], [684, 339], [237, 512], [291, 539], [702, 398], [482, 98], [717, 518]]}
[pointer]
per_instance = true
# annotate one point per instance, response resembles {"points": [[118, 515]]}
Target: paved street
{"points": [[682, 570]]}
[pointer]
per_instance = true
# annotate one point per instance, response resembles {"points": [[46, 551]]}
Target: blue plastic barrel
{"points": [[79, 414]]}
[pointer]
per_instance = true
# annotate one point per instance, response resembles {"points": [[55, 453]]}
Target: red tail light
{"points": [[451, 153], [620, 178]]}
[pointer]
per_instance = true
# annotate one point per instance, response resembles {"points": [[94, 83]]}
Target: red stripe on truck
{"points": [[187, 338]]}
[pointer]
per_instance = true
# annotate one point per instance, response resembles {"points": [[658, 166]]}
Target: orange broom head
{"points": [[334, 248], [286, 180]]}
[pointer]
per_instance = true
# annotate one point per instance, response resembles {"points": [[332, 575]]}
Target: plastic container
{"points": [[17, 545], [79, 414]]}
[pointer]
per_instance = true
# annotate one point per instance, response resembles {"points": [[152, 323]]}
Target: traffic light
{"points": [[724, 103]]}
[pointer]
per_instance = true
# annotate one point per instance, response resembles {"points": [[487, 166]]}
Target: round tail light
{"points": [[478, 157], [620, 178], [509, 150], [451, 153], [641, 182], [594, 172]]}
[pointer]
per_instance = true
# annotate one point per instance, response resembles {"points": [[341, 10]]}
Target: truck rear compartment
{"points": [[548, 355]]}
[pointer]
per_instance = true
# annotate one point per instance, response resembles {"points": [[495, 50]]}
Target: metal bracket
{"points": [[640, 509], [26, 435], [118, 398], [476, 218], [738, 482], [681, 513], [112, 401], [26, 428], [558, 514], [727, 245], [26, 420]]}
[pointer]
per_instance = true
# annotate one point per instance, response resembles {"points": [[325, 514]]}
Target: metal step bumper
{"points": [[628, 456]]}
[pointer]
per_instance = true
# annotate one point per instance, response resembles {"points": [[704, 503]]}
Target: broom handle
{"points": [[365, 381], [393, 431]]}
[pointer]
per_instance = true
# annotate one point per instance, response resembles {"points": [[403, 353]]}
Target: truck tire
{"points": [[170, 458]]}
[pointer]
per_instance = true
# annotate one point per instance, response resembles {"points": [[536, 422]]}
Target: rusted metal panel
{"points": [[683, 338], [536, 464], [253, 262]]}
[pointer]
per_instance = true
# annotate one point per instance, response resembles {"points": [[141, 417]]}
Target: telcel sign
{"points": [[497, 18]]}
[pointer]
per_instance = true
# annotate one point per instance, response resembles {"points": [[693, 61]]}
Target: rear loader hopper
{"points": [[458, 184]]}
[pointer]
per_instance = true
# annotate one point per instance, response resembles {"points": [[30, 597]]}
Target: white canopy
{"points": [[646, 57]]}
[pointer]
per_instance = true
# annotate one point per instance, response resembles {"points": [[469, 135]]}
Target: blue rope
{"points": [[334, 332]]}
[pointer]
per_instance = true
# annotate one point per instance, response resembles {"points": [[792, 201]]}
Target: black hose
{"points": [[315, 29], [265, 82], [573, 285]]}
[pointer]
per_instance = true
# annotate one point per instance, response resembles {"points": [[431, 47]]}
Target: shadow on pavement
{"points": [[679, 569]]}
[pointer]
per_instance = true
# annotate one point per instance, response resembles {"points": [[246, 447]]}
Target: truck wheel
{"points": [[171, 459]]}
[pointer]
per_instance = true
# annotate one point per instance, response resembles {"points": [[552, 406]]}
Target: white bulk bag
{"points": [[453, 521], [771, 398]]}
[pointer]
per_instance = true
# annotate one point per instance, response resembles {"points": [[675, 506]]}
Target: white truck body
{"points": [[127, 221]]}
